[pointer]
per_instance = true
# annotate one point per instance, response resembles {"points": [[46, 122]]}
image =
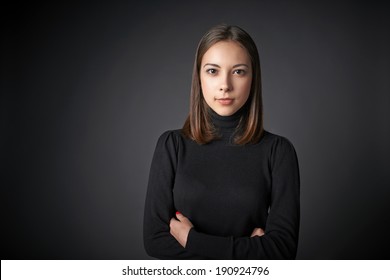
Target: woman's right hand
{"points": [[257, 232]]}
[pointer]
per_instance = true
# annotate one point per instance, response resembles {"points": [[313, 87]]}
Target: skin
{"points": [[226, 77]]}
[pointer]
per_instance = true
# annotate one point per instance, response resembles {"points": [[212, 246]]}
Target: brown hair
{"points": [[198, 125]]}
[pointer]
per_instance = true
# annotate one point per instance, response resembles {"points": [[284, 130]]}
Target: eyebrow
{"points": [[217, 66]]}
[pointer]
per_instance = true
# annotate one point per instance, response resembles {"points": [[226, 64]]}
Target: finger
{"points": [[183, 219], [257, 232], [172, 222], [179, 216], [260, 231]]}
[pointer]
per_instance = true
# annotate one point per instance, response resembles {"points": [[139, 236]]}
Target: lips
{"points": [[225, 101]]}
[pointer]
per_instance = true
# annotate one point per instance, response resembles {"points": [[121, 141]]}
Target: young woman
{"points": [[222, 187]]}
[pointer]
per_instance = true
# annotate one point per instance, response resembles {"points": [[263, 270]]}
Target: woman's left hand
{"points": [[180, 228]]}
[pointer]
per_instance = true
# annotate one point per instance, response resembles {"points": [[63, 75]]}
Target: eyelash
{"points": [[243, 72], [209, 71], [213, 71]]}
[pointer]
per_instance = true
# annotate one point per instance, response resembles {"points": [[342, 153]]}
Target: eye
{"points": [[239, 72], [212, 71]]}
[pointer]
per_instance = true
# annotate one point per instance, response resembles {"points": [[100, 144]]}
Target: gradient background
{"points": [[86, 90]]}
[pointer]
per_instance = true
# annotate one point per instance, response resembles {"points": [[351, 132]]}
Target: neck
{"points": [[226, 122]]}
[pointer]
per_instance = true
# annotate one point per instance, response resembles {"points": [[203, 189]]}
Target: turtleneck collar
{"points": [[226, 122]]}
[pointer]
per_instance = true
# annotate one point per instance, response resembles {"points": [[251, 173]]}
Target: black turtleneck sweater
{"points": [[226, 191]]}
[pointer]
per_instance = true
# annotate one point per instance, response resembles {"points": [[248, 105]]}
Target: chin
{"points": [[225, 112]]}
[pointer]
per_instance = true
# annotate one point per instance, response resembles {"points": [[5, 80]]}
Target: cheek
{"points": [[249, 87], [245, 88], [206, 88]]}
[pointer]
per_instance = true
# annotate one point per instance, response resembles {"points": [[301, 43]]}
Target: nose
{"points": [[226, 84]]}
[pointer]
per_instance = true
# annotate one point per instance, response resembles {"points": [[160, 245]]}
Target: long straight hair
{"points": [[198, 125]]}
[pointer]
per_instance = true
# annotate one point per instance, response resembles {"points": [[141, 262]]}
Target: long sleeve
{"points": [[159, 204], [282, 227]]}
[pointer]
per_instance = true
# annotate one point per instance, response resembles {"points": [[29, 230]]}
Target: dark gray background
{"points": [[87, 89]]}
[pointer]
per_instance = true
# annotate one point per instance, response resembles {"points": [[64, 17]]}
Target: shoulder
{"points": [[169, 139], [170, 135], [276, 141], [281, 152], [281, 149]]}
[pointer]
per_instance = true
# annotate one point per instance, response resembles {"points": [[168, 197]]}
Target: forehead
{"points": [[224, 52]]}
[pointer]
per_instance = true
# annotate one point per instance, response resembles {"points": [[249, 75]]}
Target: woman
{"points": [[222, 187]]}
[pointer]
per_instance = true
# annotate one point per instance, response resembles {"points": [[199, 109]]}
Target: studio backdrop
{"points": [[86, 90]]}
